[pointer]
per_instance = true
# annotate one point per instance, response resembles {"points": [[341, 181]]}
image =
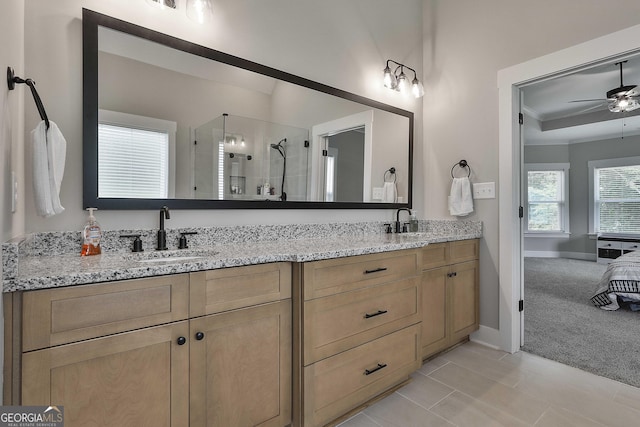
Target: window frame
{"points": [[602, 164], [134, 121], [565, 230]]}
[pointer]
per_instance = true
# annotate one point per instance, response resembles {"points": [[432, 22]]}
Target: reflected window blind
{"points": [[132, 163], [618, 199]]}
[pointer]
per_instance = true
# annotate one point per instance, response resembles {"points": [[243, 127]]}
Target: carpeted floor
{"points": [[561, 324]]}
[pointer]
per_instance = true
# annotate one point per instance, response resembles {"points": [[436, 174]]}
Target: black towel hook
{"points": [[392, 171], [462, 164], [12, 79]]}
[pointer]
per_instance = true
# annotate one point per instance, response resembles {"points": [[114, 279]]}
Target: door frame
{"points": [[603, 49]]}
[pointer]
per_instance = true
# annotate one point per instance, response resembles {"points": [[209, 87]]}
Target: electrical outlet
{"points": [[377, 193], [484, 190]]}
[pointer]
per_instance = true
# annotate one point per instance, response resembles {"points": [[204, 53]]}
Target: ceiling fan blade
{"points": [[594, 107], [590, 100]]}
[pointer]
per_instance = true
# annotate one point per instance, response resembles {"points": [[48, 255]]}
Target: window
{"points": [[134, 156], [547, 194], [615, 196]]}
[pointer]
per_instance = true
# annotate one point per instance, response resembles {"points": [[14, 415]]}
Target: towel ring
{"points": [[462, 164], [392, 171]]}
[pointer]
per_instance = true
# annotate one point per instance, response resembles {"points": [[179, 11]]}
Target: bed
{"points": [[620, 282]]}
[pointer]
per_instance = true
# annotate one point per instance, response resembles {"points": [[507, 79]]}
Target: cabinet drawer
{"points": [[435, 255], [440, 254], [63, 315], [463, 250], [328, 277], [215, 291], [340, 383], [340, 322], [630, 246]]}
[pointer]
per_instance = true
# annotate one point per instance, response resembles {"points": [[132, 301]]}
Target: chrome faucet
{"points": [[162, 234], [398, 226]]}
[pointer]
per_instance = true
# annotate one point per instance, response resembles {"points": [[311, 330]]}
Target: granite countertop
{"points": [[39, 272]]}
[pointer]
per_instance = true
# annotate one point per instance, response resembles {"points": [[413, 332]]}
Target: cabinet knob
{"points": [[181, 340], [199, 336]]}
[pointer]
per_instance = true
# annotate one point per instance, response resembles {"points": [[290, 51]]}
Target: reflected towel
{"points": [[460, 199], [49, 151], [389, 192]]}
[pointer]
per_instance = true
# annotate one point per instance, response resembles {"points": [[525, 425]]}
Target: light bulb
{"points": [[402, 84], [388, 79], [200, 11], [417, 89]]}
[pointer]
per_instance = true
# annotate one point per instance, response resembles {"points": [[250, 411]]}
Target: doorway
{"points": [[609, 48]]}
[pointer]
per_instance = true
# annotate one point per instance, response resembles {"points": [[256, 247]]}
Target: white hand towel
{"points": [[460, 199], [389, 192], [49, 152]]}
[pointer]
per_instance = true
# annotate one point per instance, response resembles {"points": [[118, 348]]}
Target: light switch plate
{"points": [[484, 190]]}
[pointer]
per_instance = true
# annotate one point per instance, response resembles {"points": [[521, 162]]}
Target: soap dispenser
{"points": [[413, 222], [92, 234]]}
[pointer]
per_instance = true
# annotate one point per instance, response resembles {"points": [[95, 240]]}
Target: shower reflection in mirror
{"points": [[252, 160]]}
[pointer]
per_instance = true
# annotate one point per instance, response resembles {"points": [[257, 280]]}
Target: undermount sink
{"points": [[415, 235], [178, 255], [168, 259]]}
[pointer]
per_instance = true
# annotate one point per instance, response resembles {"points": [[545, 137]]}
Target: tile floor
{"points": [[474, 385]]}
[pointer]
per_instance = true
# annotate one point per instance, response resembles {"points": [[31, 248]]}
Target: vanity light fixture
{"points": [[397, 79], [200, 11], [164, 3]]}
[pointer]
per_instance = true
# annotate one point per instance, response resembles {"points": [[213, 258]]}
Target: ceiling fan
{"points": [[620, 99]]}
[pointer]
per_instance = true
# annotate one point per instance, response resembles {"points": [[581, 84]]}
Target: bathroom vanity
{"points": [[299, 332]]}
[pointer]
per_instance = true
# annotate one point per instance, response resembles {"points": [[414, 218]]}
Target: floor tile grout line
{"points": [[427, 409]]}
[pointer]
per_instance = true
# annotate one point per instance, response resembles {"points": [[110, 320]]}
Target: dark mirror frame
{"points": [[92, 20]]}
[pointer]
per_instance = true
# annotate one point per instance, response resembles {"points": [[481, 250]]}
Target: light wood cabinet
{"points": [[356, 331], [449, 295], [202, 349], [137, 378]]}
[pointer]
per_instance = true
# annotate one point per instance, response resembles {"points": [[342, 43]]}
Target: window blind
{"points": [[132, 163], [618, 199]]}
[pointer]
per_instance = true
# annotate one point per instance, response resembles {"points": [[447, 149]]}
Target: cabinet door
{"points": [[241, 367], [463, 300], [137, 378], [434, 310]]}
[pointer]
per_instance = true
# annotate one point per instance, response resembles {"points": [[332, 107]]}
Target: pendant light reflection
{"points": [[200, 11], [397, 80]]}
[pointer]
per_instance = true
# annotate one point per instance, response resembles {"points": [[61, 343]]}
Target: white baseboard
{"points": [[487, 336], [560, 254]]}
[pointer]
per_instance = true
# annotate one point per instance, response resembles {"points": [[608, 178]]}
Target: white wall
{"points": [[11, 128], [466, 42], [341, 44]]}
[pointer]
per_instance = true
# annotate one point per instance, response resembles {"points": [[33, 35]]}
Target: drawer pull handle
{"points": [[452, 274], [377, 270], [376, 369], [378, 313], [199, 336], [181, 340]]}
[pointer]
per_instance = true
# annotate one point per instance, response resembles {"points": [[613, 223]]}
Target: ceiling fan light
{"points": [[623, 104]]}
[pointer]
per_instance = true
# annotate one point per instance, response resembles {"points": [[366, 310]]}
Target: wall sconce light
{"points": [[397, 79], [164, 3], [200, 11]]}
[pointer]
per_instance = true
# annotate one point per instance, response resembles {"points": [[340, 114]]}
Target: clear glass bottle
{"points": [[413, 222]]}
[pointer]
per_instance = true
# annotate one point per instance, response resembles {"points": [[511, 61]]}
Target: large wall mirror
{"points": [[169, 122]]}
